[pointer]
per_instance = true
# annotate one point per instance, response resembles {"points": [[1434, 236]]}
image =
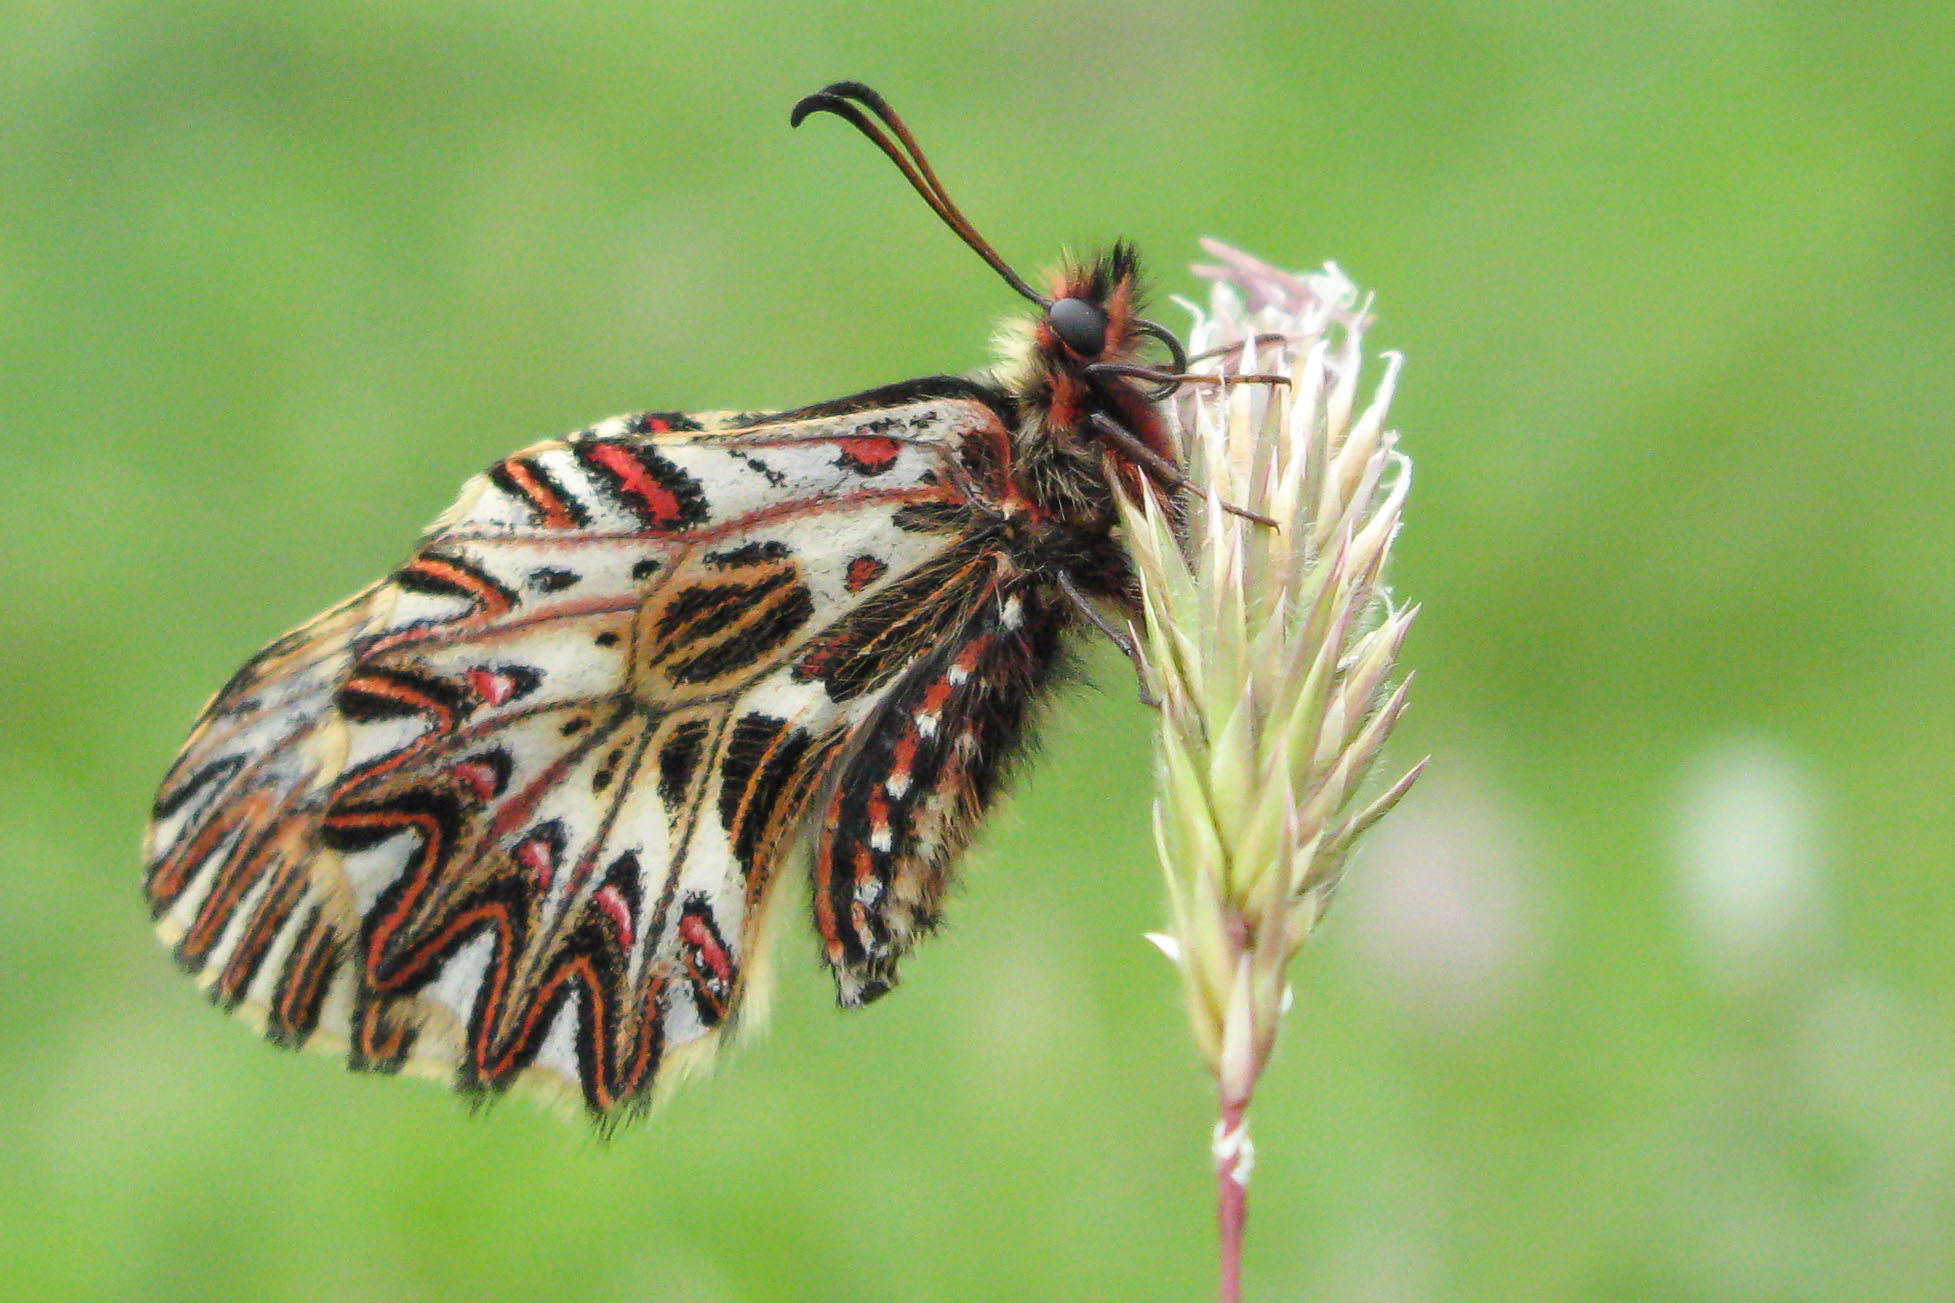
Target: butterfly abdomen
{"points": [[920, 780]]}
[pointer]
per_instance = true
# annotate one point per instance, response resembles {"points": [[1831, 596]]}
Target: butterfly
{"points": [[516, 814]]}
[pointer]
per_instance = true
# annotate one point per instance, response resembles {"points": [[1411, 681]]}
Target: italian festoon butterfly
{"points": [[514, 814]]}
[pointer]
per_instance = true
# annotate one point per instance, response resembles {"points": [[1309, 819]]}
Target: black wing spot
{"points": [[781, 613], [753, 736], [759, 467], [607, 770], [677, 760], [709, 609], [748, 554]]}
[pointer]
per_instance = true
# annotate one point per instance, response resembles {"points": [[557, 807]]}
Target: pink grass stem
{"points": [[1231, 1201]]}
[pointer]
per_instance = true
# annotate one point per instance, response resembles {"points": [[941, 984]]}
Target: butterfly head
{"points": [[1092, 320], [1090, 314]]}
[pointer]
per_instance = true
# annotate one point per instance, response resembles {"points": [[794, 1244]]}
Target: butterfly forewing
{"points": [[514, 814]]}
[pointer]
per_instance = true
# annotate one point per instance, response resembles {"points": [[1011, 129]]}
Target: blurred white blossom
{"points": [[1452, 913], [1749, 861]]}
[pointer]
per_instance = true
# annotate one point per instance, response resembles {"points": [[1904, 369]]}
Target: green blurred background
{"points": [[1645, 994]]}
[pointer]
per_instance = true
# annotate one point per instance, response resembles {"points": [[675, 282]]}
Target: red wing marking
{"points": [[477, 777], [863, 571], [382, 694], [383, 1041], [879, 833], [432, 573], [493, 686], [173, 874], [707, 962], [354, 828], [902, 763], [234, 881], [934, 699], [537, 853], [660, 502], [611, 903], [868, 454], [288, 888], [407, 973], [661, 494], [610, 1076], [553, 508]]}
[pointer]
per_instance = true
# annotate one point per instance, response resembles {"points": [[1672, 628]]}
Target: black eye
{"points": [[1080, 324]]}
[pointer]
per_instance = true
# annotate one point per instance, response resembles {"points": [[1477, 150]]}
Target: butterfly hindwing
{"points": [[513, 815]]}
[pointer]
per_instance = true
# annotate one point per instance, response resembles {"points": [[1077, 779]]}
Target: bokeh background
{"points": [[1644, 994]]}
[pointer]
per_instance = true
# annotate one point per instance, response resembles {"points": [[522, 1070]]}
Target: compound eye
{"points": [[1080, 324]]}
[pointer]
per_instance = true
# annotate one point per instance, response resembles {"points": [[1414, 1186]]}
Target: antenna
{"points": [[846, 99]]}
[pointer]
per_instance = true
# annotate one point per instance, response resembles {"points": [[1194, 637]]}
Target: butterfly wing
{"points": [[513, 815]]}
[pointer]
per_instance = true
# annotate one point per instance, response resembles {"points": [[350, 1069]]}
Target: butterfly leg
{"points": [[911, 795], [1120, 638], [1164, 471]]}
